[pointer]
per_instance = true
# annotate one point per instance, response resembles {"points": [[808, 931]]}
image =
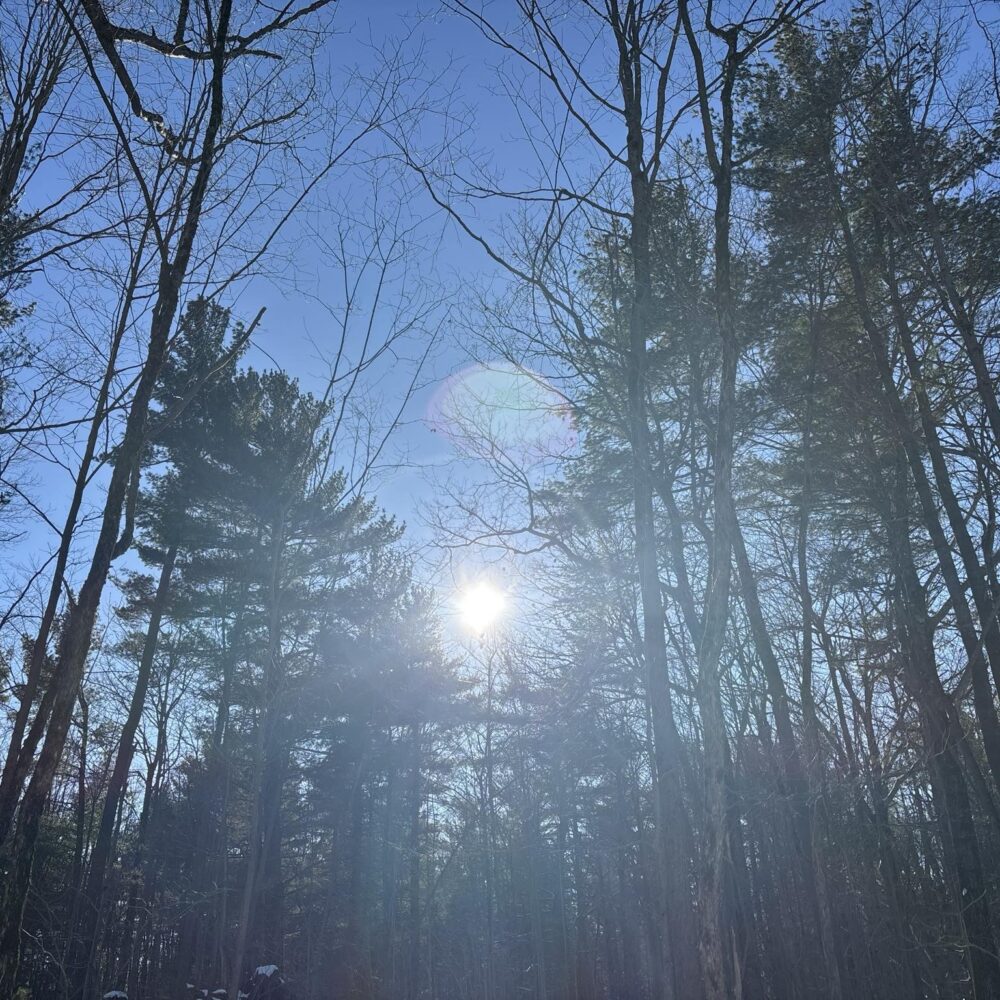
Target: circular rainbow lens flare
{"points": [[503, 407]]}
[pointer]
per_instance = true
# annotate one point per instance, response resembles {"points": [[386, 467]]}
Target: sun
{"points": [[480, 605]]}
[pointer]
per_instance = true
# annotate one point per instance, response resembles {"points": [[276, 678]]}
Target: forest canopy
{"points": [[499, 500]]}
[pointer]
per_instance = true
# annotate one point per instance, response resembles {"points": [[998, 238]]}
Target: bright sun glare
{"points": [[480, 605]]}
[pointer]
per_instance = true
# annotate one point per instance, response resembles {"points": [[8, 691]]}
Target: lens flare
{"points": [[503, 406]]}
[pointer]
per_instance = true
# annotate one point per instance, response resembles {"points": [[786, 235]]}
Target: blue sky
{"points": [[299, 328], [304, 295], [444, 268]]}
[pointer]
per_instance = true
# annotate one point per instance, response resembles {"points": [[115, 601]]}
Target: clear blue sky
{"points": [[299, 327]]}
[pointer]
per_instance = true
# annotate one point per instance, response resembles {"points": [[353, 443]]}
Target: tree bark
{"points": [[91, 925], [74, 645], [942, 737], [718, 140], [987, 645], [674, 838]]}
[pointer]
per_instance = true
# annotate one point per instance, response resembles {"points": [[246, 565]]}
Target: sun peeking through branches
{"points": [[481, 605]]}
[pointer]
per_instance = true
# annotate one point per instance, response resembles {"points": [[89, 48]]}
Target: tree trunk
{"points": [[810, 720], [415, 914], [78, 629], [719, 152], [263, 840], [91, 925], [20, 753], [912, 450], [988, 642], [942, 736], [674, 837]]}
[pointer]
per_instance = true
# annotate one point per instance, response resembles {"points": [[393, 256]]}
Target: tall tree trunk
{"points": [[79, 848], [74, 644], [91, 924], [415, 914], [137, 912], [674, 837], [793, 768], [718, 140], [912, 450], [810, 720], [263, 839], [942, 736], [988, 645], [20, 752]]}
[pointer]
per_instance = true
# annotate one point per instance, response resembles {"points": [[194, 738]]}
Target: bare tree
{"points": [[173, 178]]}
